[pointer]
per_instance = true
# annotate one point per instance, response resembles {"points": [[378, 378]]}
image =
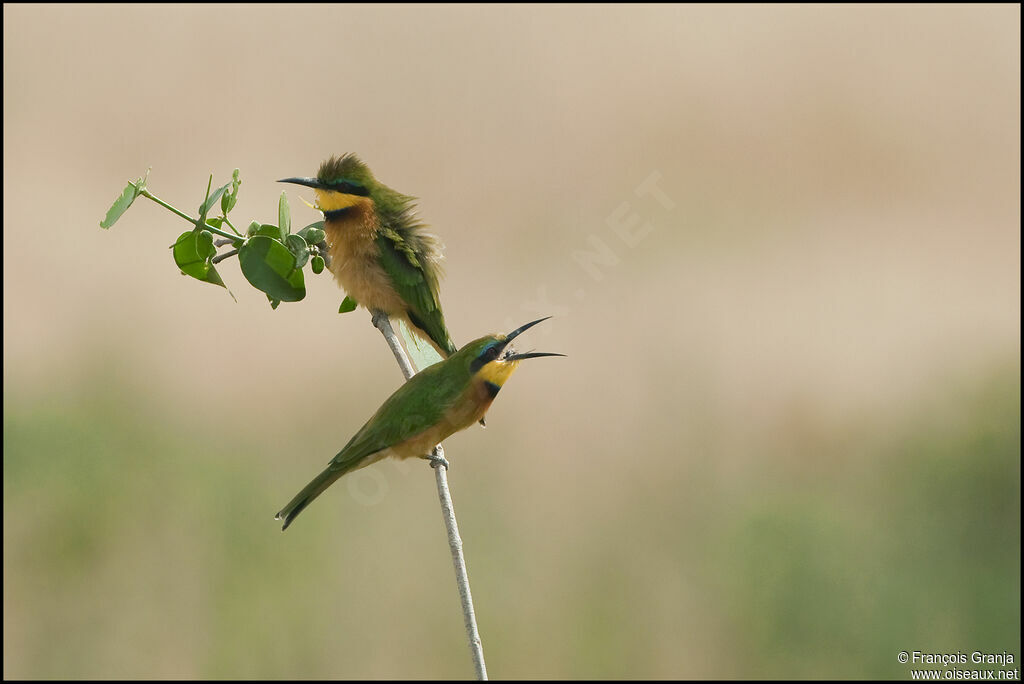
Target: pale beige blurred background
{"points": [[782, 246]]}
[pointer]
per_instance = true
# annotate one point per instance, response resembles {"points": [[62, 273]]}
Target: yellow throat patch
{"points": [[332, 200], [496, 372]]}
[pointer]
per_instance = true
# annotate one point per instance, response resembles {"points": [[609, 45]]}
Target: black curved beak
{"points": [[528, 355], [523, 328], [308, 182]]}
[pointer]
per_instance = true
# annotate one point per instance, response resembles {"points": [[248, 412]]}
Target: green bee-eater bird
{"points": [[435, 403], [381, 254]]}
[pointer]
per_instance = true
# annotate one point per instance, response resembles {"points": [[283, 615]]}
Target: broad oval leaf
{"points": [[269, 230], [318, 264], [314, 233], [204, 245], [269, 266], [192, 255], [297, 246]]}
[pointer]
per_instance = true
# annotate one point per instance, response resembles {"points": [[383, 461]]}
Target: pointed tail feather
{"points": [[436, 334], [308, 493]]}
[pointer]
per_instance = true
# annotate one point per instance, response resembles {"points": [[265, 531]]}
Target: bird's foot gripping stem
{"points": [[436, 458]]}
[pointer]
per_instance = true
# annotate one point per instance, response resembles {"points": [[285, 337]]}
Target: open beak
{"points": [[523, 328], [528, 355]]}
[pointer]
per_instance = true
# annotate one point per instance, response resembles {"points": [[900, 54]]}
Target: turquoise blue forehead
{"points": [[489, 353]]}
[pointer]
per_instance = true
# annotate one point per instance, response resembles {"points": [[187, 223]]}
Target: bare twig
{"points": [[221, 257], [380, 320]]}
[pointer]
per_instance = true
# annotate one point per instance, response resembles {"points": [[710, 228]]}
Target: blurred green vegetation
{"points": [[138, 541]]}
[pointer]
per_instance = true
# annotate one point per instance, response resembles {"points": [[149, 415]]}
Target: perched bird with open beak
{"points": [[435, 403]]}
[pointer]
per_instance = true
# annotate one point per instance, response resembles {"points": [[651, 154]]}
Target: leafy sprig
{"points": [[270, 256]]}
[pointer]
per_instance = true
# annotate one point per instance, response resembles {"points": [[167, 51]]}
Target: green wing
{"points": [[415, 280], [399, 418], [417, 405]]}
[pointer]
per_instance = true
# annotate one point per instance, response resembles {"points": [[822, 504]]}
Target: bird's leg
{"points": [[436, 458]]}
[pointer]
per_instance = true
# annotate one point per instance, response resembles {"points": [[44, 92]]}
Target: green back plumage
{"points": [[416, 406], [411, 261]]}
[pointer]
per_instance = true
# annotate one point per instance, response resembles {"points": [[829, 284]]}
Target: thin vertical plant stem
{"points": [[440, 465]]}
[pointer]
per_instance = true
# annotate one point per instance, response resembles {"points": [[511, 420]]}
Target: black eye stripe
{"points": [[486, 356], [348, 188]]}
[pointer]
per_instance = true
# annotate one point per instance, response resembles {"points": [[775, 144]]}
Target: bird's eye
{"points": [[491, 353]]}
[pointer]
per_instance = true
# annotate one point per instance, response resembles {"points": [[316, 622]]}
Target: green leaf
{"points": [[284, 214], [314, 233], [227, 202], [122, 203], [192, 253], [270, 230], [204, 205], [204, 245], [269, 266], [318, 264], [274, 303], [347, 304], [253, 227], [297, 246], [204, 208]]}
